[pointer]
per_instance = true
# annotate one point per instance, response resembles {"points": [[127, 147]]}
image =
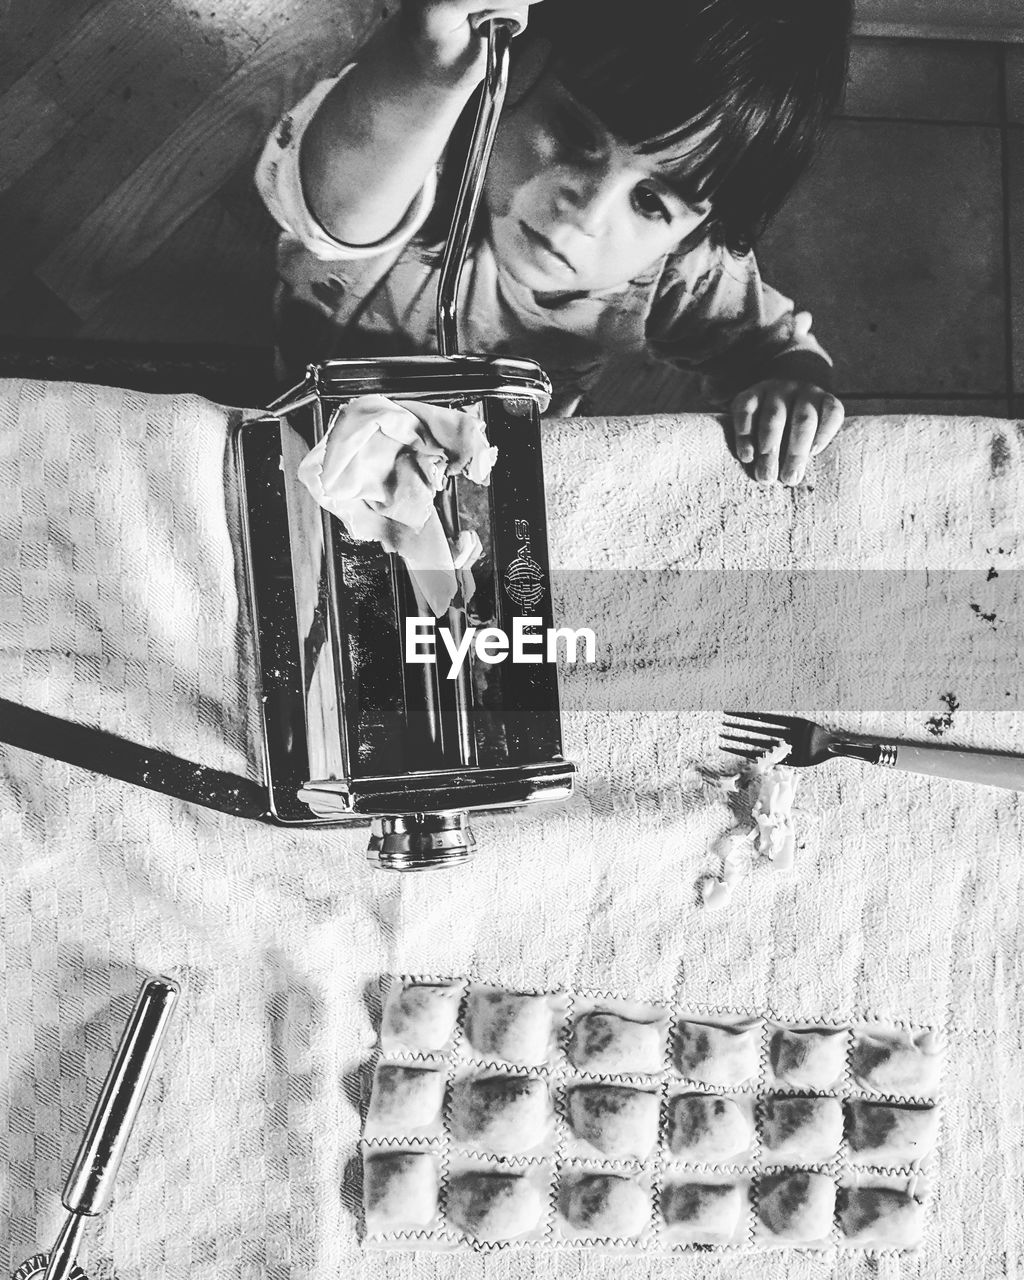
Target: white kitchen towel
{"points": [[120, 608]]}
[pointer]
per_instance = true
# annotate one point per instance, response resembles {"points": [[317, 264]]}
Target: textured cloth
{"points": [[700, 308], [119, 608]]}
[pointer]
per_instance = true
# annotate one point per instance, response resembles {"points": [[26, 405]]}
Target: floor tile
{"points": [[998, 20], [972, 408], [1017, 408], [924, 80], [895, 243], [1015, 192], [1015, 83]]}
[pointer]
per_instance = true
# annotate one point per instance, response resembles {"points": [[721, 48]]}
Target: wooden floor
{"points": [[129, 131]]}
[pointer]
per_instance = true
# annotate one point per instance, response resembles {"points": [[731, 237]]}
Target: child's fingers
{"points": [[832, 416], [743, 409], [803, 426], [771, 425]]}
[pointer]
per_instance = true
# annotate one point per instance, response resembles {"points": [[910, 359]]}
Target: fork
{"points": [[810, 743]]}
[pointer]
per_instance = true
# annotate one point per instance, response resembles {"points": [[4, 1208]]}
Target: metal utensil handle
{"points": [[499, 39], [90, 1183]]}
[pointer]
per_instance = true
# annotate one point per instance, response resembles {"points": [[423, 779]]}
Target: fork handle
{"points": [[986, 768]]}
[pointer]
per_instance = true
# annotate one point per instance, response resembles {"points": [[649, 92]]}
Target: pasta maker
{"points": [[352, 732]]}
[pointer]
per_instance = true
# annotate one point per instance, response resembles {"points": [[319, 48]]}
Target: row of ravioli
{"points": [[477, 1202], [607, 1036], [515, 1114]]}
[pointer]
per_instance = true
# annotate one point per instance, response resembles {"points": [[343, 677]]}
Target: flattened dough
{"points": [[703, 1210], [514, 1028], [802, 1130], [494, 1206], [607, 1207], [504, 1114], [405, 1097], [882, 1216], [719, 1055], [884, 1134], [809, 1059], [623, 1123], [797, 1205], [420, 1018], [612, 1045], [703, 1127], [399, 1190]]}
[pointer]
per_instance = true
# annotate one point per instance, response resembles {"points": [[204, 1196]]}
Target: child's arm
{"points": [[384, 125], [714, 313]]}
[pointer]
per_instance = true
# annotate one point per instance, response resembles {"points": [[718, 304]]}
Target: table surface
{"points": [[120, 610]]}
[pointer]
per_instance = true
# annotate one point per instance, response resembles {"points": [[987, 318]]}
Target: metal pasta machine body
{"points": [[352, 731]]}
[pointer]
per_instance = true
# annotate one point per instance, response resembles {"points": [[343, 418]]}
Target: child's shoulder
{"points": [[690, 270]]}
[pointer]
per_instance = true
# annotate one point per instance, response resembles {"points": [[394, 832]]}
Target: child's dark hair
{"points": [[762, 76], [757, 79]]}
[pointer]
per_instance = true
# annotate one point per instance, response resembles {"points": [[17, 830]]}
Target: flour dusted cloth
{"points": [[120, 608]]}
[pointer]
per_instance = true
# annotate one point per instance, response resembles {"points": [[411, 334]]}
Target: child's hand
{"points": [[775, 412], [444, 32]]}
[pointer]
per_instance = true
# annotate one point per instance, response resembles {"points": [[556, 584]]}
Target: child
{"points": [[643, 146]]}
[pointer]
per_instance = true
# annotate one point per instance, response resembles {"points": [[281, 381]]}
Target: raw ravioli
{"points": [[405, 1097], [719, 1055], [882, 1134], [882, 1216], [898, 1063], [612, 1045], [797, 1204], [420, 1018], [494, 1206], [700, 1210], [623, 1123], [702, 1127], [808, 1059], [515, 1028], [505, 1114], [602, 1205], [802, 1130], [399, 1190]]}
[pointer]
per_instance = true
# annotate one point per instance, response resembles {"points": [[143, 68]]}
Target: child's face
{"points": [[573, 208]]}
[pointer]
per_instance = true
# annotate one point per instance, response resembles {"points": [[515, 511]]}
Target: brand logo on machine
{"points": [[524, 578]]}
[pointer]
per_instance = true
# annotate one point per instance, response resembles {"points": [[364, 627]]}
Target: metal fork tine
{"points": [[761, 744], [757, 731], [747, 755], [781, 723]]}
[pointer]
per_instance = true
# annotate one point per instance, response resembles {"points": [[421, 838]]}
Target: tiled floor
{"points": [[906, 240]]}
